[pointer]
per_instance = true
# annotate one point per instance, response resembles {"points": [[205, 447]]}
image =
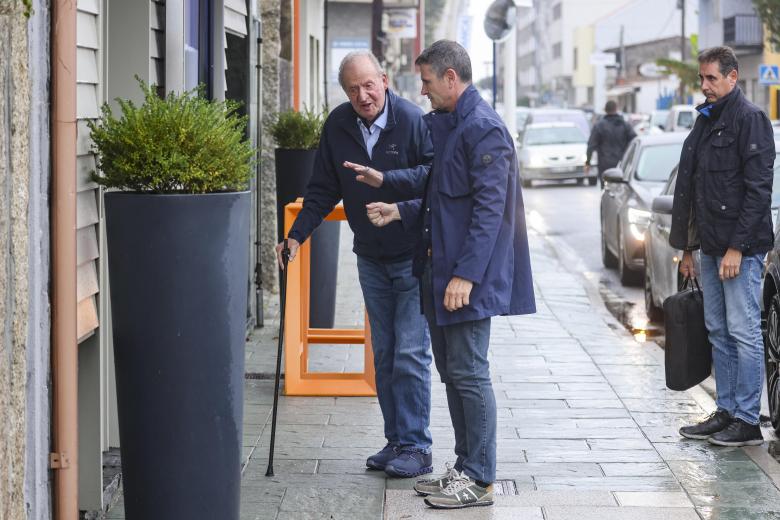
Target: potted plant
{"points": [[297, 136], [178, 247]]}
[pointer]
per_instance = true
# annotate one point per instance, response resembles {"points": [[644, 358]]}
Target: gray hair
{"points": [[447, 54], [725, 56], [354, 55]]}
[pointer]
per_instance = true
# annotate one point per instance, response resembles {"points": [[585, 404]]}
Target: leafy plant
{"points": [[687, 71], [297, 130], [181, 144], [769, 12]]}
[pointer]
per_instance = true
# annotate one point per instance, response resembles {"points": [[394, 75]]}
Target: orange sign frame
{"points": [[298, 336]]}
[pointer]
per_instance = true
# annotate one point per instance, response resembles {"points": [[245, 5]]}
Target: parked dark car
{"points": [[628, 193]]}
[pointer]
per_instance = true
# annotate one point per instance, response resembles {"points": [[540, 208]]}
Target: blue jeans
{"points": [[402, 356], [732, 313], [460, 352]]}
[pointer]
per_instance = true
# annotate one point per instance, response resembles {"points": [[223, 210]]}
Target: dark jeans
{"points": [[402, 358], [460, 353]]}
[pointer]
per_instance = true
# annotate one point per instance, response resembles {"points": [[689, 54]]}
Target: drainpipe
{"points": [[64, 459]]}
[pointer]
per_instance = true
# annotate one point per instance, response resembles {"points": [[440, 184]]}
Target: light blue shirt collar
{"points": [[371, 135]]}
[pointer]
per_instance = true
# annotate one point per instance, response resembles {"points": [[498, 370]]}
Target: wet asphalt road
{"points": [[568, 214]]}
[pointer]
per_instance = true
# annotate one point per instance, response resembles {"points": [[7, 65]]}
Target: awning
{"points": [[622, 90]]}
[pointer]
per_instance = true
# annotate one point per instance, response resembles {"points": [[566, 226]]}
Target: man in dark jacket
{"points": [[609, 139], [379, 129], [473, 259], [722, 205]]}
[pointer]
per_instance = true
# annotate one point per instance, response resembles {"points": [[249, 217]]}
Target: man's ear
{"points": [[451, 76], [733, 76]]}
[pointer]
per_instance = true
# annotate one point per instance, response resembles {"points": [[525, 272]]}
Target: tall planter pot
{"points": [[293, 171], [178, 267]]}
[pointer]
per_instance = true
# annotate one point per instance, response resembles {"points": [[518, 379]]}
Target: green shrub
{"points": [[181, 144], [297, 130]]}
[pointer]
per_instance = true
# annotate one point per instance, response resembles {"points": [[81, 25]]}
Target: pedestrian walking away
{"points": [[722, 206], [379, 129], [472, 258], [609, 139]]}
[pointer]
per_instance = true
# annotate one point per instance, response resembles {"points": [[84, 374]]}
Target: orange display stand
{"points": [[298, 336]]}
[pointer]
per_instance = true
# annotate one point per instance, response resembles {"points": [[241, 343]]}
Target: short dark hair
{"points": [[725, 56], [447, 54], [610, 107]]}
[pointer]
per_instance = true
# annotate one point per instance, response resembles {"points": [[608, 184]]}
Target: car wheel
{"points": [[592, 181], [608, 259], [627, 276], [772, 359], [527, 183], [654, 312], [582, 181]]}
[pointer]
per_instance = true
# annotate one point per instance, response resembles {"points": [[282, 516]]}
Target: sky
{"points": [[480, 48]]}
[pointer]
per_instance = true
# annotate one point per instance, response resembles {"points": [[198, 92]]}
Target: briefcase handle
{"points": [[690, 283]]}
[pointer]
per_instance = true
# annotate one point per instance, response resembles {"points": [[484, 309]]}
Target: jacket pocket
{"points": [[724, 208], [724, 152], [453, 185]]}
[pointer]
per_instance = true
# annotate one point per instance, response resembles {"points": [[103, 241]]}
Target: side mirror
{"points": [[614, 175], [663, 204]]}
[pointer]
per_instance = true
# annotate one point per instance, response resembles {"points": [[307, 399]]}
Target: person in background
{"points": [[609, 138]]}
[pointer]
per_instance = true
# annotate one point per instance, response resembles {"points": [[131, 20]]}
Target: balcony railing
{"points": [[743, 31]]}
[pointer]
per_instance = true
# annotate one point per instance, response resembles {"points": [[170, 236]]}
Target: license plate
{"points": [[563, 169]]}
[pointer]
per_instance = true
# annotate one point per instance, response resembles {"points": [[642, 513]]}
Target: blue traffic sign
{"points": [[768, 74]]}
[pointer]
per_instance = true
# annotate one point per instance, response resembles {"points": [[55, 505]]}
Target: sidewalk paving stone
{"points": [[586, 426]]}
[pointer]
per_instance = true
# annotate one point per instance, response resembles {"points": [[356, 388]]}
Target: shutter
{"points": [[88, 83], [235, 17], [157, 44]]}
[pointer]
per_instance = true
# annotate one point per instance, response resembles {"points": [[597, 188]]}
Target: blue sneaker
{"points": [[379, 460], [410, 463]]}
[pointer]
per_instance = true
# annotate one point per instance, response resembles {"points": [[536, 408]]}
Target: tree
{"points": [[687, 71], [769, 12]]}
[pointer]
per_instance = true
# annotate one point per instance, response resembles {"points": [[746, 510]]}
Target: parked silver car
{"points": [[553, 152], [629, 190]]}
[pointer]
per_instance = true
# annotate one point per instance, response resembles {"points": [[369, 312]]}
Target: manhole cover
{"points": [[504, 487]]}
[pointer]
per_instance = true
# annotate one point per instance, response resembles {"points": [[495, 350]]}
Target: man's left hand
{"points": [[729, 265], [456, 295], [366, 174]]}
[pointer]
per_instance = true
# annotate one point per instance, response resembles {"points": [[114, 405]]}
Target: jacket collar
{"points": [[467, 102], [714, 110]]}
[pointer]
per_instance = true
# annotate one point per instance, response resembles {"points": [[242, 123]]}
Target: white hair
{"points": [[354, 55]]}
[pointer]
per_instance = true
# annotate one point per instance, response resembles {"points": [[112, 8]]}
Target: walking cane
{"points": [[283, 292]]}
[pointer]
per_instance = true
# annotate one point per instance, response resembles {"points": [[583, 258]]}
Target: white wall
{"points": [[645, 21]]}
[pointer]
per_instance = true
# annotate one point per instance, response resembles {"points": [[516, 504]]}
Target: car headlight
{"points": [[535, 161], [638, 220], [774, 217], [584, 158]]}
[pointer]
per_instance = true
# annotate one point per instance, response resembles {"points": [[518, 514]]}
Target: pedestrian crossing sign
{"points": [[768, 75]]}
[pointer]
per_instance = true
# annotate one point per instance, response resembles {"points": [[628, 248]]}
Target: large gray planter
{"points": [[293, 171], [178, 266]]}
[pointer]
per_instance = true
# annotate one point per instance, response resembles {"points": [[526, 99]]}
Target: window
{"points": [[556, 50], [574, 63], [556, 14]]}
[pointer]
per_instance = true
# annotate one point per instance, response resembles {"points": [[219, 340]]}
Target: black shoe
{"points": [[715, 422], [738, 433]]}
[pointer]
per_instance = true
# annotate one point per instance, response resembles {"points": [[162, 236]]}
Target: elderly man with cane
{"points": [[384, 132]]}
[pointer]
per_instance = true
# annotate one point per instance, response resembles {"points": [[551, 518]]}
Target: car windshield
{"points": [[659, 117], [554, 135], [522, 116], [657, 161], [578, 118], [685, 119]]}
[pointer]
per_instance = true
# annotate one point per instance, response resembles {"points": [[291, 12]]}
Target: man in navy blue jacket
{"points": [[381, 132], [473, 259]]}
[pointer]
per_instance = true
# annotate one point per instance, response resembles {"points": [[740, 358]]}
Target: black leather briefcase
{"points": [[688, 353]]}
